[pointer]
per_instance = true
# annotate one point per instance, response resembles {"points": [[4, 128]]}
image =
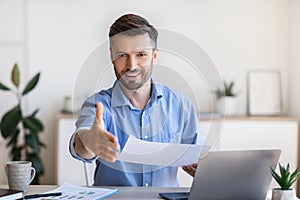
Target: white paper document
{"points": [[70, 191], [163, 154]]}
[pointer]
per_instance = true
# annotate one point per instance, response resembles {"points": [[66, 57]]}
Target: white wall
{"points": [[55, 37], [294, 65], [11, 51]]}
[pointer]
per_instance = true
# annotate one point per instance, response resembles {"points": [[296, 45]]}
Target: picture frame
{"points": [[264, 95]]}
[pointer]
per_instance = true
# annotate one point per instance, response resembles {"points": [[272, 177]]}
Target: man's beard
{"points": [[142, 75]]}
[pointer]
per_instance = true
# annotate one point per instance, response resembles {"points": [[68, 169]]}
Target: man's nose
{"points": [[131, 63]]}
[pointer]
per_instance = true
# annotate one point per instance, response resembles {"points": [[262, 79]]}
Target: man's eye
{"points": [[121, 55], [141, 55]]}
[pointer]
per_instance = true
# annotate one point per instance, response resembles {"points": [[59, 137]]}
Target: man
{"points": [[135, 105]]}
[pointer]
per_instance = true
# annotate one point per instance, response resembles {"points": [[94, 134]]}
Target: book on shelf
{"points": [[7, 194]]}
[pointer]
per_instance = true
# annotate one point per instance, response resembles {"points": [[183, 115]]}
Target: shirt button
{"points": [[146, 184], [146, 136]]}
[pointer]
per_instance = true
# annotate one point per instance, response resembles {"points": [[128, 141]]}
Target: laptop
{"points": [[232, 175]]}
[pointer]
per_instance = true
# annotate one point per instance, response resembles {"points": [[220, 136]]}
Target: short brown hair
{"points": [[133, 25]]}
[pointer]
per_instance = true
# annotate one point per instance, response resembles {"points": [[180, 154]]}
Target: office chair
{"points": [[87, 174]]}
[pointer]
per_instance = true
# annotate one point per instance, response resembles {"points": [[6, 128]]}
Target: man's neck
{"points": [[139, 97]]}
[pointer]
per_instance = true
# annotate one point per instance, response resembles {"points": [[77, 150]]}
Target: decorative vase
{"points": [[279, 194], [227, 105]]}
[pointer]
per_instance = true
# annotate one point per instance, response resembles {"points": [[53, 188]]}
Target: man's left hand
{"points": [[190, 169]]}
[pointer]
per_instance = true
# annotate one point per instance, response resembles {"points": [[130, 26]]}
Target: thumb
{"points": [[112, 138], [99, 114]]}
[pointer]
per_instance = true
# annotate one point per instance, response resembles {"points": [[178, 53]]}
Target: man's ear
{"points": [[155, 55]]}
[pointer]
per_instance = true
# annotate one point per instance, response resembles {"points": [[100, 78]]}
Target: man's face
{"points": [[133, 58]]}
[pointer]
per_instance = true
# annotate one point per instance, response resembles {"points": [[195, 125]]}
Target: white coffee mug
{"points": [[19, 175]]}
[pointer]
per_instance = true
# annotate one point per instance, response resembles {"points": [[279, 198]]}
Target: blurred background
{"points": [[55, 37]]}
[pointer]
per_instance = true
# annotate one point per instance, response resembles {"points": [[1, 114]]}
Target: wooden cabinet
{"points": [[238, 133], [263, 133], [68, 169]]}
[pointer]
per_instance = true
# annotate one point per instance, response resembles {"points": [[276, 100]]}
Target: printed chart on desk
{"points": [[70, 191]]}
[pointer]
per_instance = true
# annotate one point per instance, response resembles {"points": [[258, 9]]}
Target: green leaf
{"points": [[16, 153], [35, 180], [33, 141], [276, 177], [15, 75], [36, 162], [3, 87], [35, 112], [282, 170], [286, 182], [33, 124], [14, 139], [288, 169], [31, 84], [9, 121], [42, 144], [295, 174]]}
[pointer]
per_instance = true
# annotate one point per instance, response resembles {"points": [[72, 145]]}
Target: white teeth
{"points": [[131, 75]]}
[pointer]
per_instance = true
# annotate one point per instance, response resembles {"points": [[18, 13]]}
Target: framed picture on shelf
{"points": [[264, 92]]}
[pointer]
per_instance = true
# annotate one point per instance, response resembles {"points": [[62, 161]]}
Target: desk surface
{"points": [[125, 192]]}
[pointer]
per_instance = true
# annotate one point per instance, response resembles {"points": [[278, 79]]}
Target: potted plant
{"points": [[22, 131], [226, 99], [285, 179]]}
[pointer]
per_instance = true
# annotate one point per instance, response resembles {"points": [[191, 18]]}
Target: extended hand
{"points": [[190, 169], [98, 140]]}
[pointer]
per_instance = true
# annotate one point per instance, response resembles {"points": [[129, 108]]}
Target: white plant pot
{"points": [[279, 194], [227, 105]]}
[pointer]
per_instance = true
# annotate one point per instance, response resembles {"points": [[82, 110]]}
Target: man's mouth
{"points": [[132, 74]]}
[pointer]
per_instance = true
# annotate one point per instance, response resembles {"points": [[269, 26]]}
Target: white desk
{"points": [[125, 192]]}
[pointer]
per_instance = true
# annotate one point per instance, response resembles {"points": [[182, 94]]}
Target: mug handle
{"points": [[32, 174]]}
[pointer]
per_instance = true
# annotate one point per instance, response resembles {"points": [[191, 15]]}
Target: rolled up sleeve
{"points": [[73, 152]]}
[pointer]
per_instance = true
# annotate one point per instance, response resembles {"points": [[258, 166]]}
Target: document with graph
{"points": [[70, 191]]}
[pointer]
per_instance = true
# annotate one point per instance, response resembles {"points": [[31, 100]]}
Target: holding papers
{"points": [[163, 154]]}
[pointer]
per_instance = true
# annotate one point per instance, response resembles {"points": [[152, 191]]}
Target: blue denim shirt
{"points": [[169, 117]]}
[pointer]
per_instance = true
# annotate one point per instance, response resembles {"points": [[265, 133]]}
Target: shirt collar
{"points": [[118, 98]]}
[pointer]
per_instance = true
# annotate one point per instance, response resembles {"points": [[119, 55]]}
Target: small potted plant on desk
{"points": [[285, 180], [226, 99]]}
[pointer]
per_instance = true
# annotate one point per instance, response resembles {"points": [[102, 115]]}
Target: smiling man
{"points": [[134, 106], [133, 58]]}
